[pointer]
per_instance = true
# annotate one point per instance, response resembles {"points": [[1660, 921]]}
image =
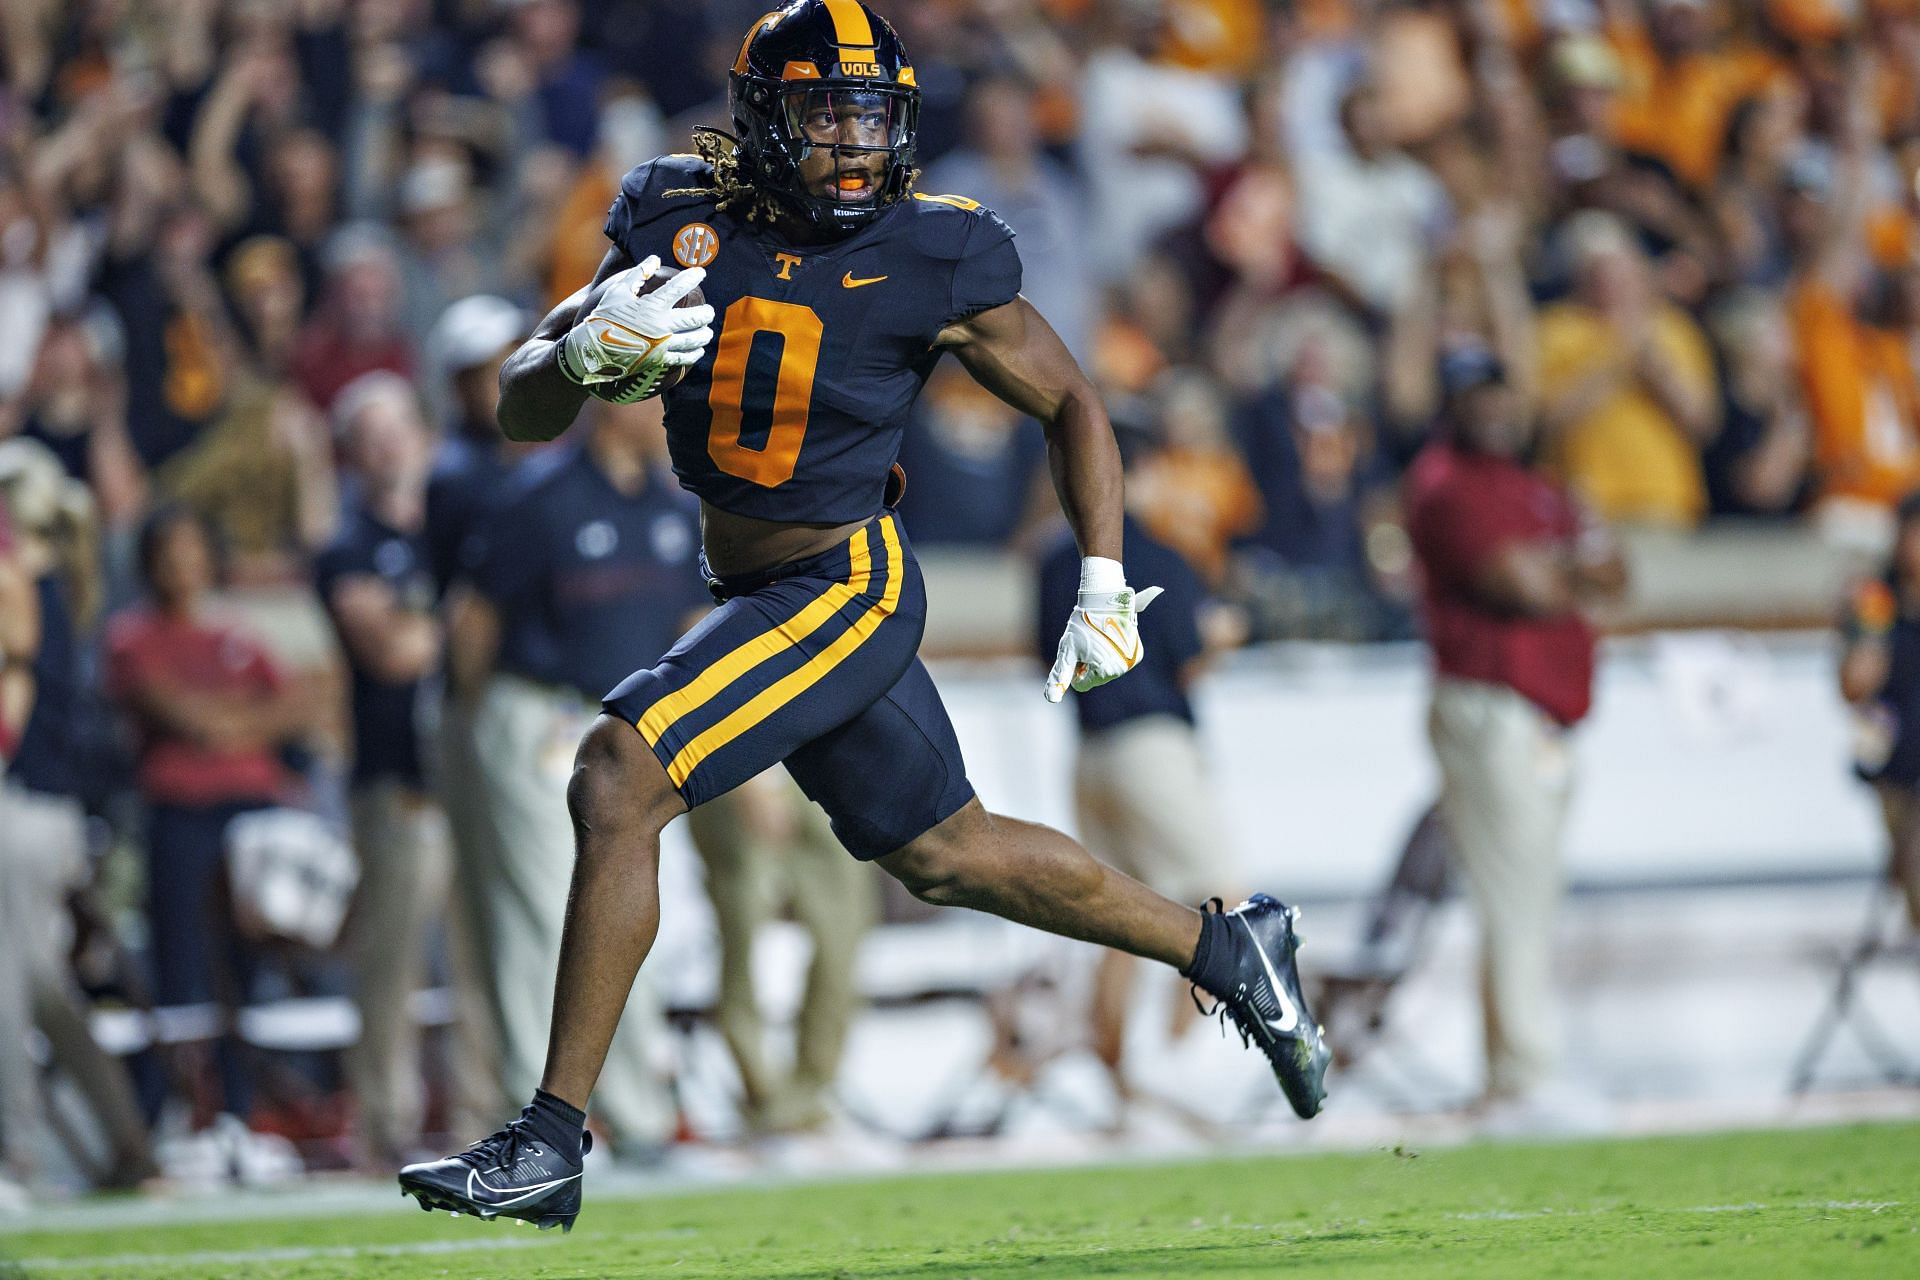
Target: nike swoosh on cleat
{"points": [[1291, 1020], [473, 1179], [848, 281]]}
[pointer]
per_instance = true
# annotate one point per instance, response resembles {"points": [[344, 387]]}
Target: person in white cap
{"points": [[464, 353]]}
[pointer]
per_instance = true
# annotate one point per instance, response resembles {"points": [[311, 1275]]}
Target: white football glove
{"points": [[629, 336], [1102, 642]]}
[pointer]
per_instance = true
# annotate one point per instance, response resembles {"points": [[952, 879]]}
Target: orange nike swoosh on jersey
{"points": [[848, 281]]}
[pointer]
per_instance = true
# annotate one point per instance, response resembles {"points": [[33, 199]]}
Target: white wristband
{"points": [[1101, 575], [566, 366]]}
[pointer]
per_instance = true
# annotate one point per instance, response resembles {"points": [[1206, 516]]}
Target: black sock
{"points": [[1213, 959], [555, 1122]]}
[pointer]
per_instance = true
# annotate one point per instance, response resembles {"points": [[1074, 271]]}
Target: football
{"points": [[613, 391]]}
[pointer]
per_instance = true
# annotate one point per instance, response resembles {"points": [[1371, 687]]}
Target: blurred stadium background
{"points": [[259, 260]]}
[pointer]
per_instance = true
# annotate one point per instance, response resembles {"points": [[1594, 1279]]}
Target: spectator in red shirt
{"points": [[212, 712], [358, 328], [1511, 564]]}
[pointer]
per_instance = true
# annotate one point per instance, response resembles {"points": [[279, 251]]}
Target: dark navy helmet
{"points": [[832, 75]]}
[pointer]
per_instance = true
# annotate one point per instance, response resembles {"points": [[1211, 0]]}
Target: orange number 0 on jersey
{"points": [[799, 329]]}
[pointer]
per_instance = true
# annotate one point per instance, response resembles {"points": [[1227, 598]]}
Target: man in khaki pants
{"points": [[1143, 793], [375, 582], [589, 556], [1511, 563], [765, 845]]}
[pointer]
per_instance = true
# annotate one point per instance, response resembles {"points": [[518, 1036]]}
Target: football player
{"points": [[832, 287]]}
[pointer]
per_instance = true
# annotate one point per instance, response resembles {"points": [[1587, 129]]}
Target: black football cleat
{"points": [[509, 1175], [1266, 1003]]}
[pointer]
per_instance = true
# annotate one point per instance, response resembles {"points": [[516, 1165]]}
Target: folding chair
{"points": [[1884, 936], [1352, 997]]}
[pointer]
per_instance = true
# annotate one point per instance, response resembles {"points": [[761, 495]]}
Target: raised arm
{"points": [[218, 179], [1013, 352], [1840, 257]]}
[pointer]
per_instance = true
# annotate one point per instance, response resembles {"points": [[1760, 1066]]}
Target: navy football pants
{"points": [[814, 663]]}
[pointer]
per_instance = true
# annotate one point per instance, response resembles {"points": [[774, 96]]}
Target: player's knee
{"points": [[618, 785]]}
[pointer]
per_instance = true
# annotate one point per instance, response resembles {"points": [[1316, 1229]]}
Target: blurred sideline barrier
{"points": [[1713, 767], [1711, 757], [1731, 573], [1758, 574]]}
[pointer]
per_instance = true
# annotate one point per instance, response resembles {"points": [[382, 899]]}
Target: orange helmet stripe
{"points": [[854, 33], [740, 63], [850, 26]]}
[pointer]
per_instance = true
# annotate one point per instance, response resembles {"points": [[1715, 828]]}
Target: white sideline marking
{"points": [[226, 1257], [1521, 1215], [433, 1247]]}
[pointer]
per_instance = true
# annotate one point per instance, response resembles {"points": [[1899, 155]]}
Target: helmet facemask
{"points": [[795, 124]]}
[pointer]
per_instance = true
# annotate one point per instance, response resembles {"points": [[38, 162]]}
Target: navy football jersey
{"points": [[796, 409]]}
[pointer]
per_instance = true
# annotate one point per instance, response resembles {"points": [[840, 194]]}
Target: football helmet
{"points": [[824, 74]]}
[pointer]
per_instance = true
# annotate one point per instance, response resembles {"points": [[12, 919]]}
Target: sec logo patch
{"points": [[695, 245]]}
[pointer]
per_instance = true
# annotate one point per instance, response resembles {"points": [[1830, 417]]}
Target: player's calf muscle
{"points": [[990, 863], [939, 866]]}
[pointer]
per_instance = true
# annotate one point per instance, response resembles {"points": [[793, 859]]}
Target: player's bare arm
{"points": [[623, 338], [1013, 352], [537, 400]]}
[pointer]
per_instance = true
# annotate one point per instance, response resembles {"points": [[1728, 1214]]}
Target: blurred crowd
{"points": [[260, 260]]}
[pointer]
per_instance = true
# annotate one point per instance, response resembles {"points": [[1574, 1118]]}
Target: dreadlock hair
{"points": [[732, 183]]}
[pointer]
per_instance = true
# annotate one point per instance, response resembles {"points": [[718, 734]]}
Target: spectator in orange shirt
{"points": [[1682, 80], [1221, 37], [629, 126], [1196, 494], [1853, 330]]}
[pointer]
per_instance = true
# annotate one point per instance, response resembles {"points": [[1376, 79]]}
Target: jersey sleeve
{"points": [[651, 190], [987, 274]]}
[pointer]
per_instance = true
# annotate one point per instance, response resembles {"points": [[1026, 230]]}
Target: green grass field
{"points": [[1839, 1202]]}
